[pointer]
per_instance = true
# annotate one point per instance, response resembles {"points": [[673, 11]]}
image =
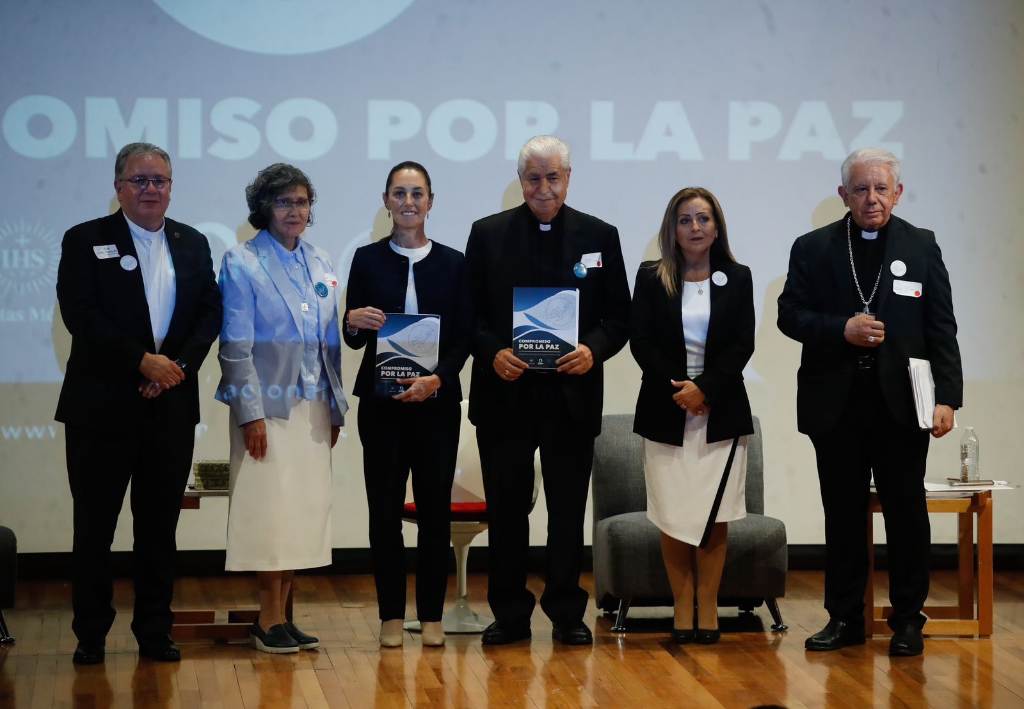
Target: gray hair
{"points": [[270, 183], [876, 156], [133, 149], [543, 146]]}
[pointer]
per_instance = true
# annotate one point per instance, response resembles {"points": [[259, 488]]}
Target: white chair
{"points": [[469, 518]]}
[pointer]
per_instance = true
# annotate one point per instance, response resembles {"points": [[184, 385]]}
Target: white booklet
{"points": [[407, 347], [544, 325], [923, 386]]}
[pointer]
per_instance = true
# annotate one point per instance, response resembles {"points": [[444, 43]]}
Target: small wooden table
{"points": [[202, 624], [961, 618]]}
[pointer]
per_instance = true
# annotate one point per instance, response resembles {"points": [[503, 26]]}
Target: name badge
{"points": [[911, 289], [331, 280], [591, 260], [105, 251]]}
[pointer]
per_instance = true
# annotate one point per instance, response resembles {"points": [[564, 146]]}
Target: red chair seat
{"points": [[461, 511]]}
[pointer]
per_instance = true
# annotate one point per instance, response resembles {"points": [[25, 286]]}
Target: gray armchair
{"points": [[628, 567], [8, 576]]}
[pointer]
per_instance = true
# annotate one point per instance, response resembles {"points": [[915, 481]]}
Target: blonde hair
{"points": [[673, 262]]}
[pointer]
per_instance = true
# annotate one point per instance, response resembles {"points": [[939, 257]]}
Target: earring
{"points": [[389, 213], [428, 215]]}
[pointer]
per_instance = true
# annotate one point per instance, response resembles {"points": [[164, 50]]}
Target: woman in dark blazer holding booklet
{"points": [[692, 333], [416, 429]]}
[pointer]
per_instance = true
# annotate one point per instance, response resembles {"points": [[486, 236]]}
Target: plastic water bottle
{"points": [[970, 449]]}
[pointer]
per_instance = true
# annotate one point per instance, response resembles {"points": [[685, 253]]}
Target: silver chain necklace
{"points": [[853, 269]]}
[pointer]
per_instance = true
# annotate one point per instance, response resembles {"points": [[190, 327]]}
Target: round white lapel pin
{"points": [[898, 268], [128, 262], [719, 278]]}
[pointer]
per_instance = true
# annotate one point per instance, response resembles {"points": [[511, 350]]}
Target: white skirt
{"points": [[279, 508], [683, 481]]}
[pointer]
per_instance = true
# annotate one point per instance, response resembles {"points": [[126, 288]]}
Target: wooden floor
{"points": [[640, 669]]}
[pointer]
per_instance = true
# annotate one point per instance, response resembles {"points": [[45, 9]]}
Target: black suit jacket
{"points": [[656, 341], [497, 257], [104, 308], [379, 277], [818, 299]]}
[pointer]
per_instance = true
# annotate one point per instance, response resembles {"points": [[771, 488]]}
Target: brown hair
{"points": [[672, 263]]}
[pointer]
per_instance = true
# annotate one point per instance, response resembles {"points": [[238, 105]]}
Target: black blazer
{"points": [[104, 308], [498, 262], [818, 299], [378, 278], [656, 341]]}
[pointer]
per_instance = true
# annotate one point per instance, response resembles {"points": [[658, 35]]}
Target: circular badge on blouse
{"points": [[321, 289], [719, 278], [128, 262], [580, 270]]}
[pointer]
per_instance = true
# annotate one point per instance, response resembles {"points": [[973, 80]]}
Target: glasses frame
{"points": [[143, 182]]}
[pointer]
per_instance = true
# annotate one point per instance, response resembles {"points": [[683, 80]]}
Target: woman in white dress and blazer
{"points": [[280, 356], [692, 333]]}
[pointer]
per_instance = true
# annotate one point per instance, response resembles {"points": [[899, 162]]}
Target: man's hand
{"points": [[418, 388], [157, 368], [579, 361], [256, 438], [864, 331], [366, 319], [150, 390], [689, 397], [942, 420], [508, 366], [335, 432]]}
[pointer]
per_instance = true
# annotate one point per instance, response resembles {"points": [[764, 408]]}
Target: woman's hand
{"points": [[689, 397], [366, 319], [256, 438], [418, 388]]}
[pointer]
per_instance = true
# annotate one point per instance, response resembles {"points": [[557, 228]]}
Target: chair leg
{"points": [[773, 608], [5, 636], [620, 618]]}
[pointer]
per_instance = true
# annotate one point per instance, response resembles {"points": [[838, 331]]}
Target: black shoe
{"points": [[160, 648], [89, 654], [306, 642], [683, 637], [908, 641], [276, 641], [837, 634], [574, 633], [708, 637], [504, 632]]}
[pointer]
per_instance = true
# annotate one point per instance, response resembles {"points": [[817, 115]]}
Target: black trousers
{"points": [[157, 460], [397, 438], [867, 439], [541, 420]]}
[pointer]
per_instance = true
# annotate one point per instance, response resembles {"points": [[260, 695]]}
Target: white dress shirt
{"points": [[157, 277], [411, 302]]}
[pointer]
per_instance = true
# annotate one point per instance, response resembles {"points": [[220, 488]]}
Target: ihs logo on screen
{"points": [[29, 254]]}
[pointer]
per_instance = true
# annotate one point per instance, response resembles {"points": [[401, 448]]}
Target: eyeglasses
{"points": [[286, 205], [160, 183]]}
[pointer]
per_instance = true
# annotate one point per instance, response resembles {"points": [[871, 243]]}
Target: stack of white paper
{"points": [[923, 386]]}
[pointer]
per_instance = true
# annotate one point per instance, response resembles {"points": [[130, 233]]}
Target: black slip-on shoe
{"points": [[837, 634], [276, 641], [907, 641], [160, 648], [708, 637], [89, 654], [683, 637], [504, 632], [575, 633], [306, 642]]}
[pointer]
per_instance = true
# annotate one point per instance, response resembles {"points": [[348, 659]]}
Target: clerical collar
{"points": [[869, 235], [142, 232], [547, 226]]}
